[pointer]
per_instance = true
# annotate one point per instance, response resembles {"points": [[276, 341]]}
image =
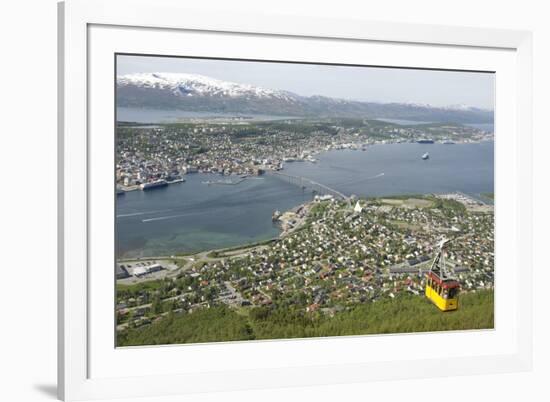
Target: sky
{"points": [[376, 84]]}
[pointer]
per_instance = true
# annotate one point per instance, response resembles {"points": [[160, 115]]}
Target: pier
{"points": [[304, 183]]}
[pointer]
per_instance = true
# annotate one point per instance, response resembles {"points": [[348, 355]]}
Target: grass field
{"points": [[406, 313]]}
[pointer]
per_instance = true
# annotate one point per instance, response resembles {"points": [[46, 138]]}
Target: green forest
{"points": [[405, 313]]}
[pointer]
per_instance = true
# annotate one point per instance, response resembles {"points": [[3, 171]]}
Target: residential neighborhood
{"points": [[338, 254]]}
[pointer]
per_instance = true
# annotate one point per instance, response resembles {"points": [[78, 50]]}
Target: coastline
{"points": [[216, 196], [300, 214], [336, 277], [311, 155]]}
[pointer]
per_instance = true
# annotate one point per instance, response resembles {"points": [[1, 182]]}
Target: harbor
{"points": [[191, 216]]}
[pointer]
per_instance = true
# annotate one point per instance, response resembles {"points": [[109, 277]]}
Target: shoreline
{"points": [[285, 232], [311, 154]]}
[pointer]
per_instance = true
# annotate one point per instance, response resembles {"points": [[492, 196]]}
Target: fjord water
{"points": [[154, 116], [396, 169], [194, 216]]}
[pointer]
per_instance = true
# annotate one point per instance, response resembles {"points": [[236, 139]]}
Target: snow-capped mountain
{"points": [[198, 93], [460, 106], [457, 107], [198, 85]]}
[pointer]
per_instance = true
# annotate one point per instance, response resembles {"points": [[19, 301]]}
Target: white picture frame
{"points": [[90, 31]]}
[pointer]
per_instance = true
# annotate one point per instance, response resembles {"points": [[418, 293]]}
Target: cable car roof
{"points": [[444, 283]]}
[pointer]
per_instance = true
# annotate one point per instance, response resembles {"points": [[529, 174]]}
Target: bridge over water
{"points": [[317, 187]]}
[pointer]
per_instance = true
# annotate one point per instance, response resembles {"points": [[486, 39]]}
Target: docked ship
{"points": [[426, 156], [153, 184], [425, 141]]}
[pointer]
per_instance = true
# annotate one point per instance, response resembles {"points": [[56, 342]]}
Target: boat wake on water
{"points": [[163, 218], [142, 213]]}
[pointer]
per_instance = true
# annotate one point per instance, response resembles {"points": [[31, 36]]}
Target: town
{"points": [[332, 255], [161, 154]]}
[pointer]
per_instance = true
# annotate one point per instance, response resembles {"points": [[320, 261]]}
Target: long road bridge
{"points": [[316, 187]]}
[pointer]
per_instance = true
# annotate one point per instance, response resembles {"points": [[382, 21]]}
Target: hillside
{"points": [[404, 314]]}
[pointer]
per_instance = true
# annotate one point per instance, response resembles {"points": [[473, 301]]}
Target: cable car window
{"points": [[453, 292]]}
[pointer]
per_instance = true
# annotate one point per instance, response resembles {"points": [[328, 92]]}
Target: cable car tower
{"points": [[441, 288]]}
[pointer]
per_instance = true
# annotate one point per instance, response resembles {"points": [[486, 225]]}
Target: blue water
{"points": [[399, 169], [138, 115], [403, 122], [488, 127], [193, 216]]}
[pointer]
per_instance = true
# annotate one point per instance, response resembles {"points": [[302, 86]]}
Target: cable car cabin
{"points": [[442, 292]]}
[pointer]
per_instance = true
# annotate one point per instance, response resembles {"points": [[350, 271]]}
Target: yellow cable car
{"points": [[441, 289], [442, 292]]}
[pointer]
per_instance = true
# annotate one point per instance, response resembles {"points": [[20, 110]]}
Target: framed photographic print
{"points": [[259, 201]]}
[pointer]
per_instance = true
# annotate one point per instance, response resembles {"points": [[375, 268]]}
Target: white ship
{"points": [[153, 184]]}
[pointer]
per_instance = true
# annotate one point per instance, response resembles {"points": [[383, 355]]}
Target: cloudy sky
{"points": [[438, 88]]}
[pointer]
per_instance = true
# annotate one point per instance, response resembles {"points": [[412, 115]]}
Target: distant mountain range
{"points": [[197, 93]]}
